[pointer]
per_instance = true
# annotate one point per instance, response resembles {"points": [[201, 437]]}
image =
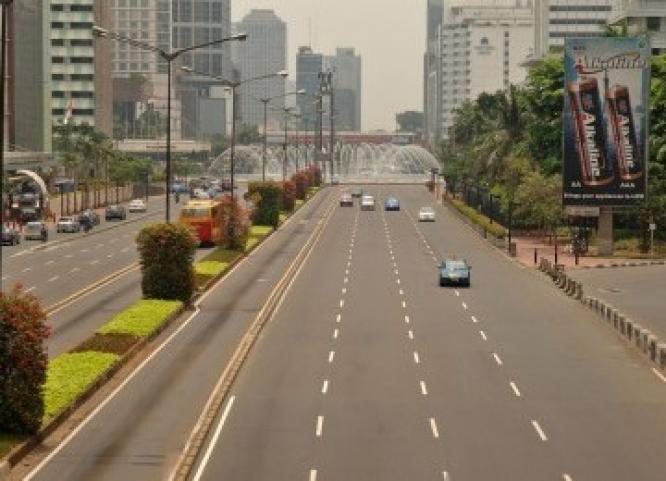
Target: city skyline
{"points": [[331, 26]]}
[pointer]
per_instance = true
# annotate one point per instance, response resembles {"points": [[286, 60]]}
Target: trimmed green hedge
{"points": [[69, 375], [141, 319], [479, 219], [210, 268]]}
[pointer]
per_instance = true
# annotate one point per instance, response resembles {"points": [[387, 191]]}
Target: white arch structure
{"points": [[39, 181]]}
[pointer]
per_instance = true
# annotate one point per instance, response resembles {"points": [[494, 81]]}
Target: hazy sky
{"points": [[388, 34]]}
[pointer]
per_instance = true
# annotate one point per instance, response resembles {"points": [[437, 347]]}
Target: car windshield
{"points": [[33, 226], [427, 210], [456, 265]]}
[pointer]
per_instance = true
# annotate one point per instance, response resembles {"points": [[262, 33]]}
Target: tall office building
{"points": [[308, 66], [347, 82], [643, 16], [196, 22], [264, 52], [556, 20], [81, 86], [431, 71], [30, 77], [483, 49]]}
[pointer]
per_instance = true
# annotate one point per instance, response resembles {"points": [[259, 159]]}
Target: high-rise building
{"points": [[431, 71], [347, 82], [81, 85], [483, 49], [30, 77], [556, 20], [264, 52], [308, 67], [643, 16], [196, 22]]}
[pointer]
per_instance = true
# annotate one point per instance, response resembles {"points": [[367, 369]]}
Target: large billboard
{"points": [[606, 109]]}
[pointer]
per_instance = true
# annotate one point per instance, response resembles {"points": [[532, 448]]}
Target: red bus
{"points": [[201, 216]]}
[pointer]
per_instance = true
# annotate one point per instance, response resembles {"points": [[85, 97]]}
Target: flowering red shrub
{"points": [[23, 362], [288, 196], [300, 181], [234, 222], [316, 176]]}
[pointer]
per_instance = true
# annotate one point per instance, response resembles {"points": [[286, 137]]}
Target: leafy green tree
{"points": [[410, 121]]}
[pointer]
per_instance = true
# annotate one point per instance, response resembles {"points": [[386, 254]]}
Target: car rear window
{"points": [[456, 265]]}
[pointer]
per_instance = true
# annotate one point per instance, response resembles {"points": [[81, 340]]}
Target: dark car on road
{"points": [[89, 216], [115, 212], [392, 204], [10, 236], [455, 272], [357, 193]]}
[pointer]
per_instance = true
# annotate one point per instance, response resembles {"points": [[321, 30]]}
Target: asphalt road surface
{"points": [[369, 370], [638, 292]]}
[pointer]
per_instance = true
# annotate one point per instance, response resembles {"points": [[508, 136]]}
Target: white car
{"points": [[367, 202], [427, 214], [137, 205], [33, 230], [68, 224]]}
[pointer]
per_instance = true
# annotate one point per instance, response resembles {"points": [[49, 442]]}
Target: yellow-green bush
{"points": [[141, 319], [479, 219]]}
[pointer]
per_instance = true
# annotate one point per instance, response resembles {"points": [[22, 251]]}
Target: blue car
{"points": [[455, 272], [392, 204]]}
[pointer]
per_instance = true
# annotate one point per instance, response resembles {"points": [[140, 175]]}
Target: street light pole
{"points": [[233, 141], [168, 145], [264, 152], [3, 73], [285, 146]]}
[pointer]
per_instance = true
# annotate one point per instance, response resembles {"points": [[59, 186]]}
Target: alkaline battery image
{"points": [[624, 137], [587, 114]]}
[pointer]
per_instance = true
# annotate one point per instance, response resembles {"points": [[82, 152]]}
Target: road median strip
{"points": [[96, 360]]}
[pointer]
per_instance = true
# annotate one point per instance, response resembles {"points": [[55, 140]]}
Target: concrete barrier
{"points": [[661, 357], [652, 342], [629, 329], [622, 324], [637, 335], [645, 335]]}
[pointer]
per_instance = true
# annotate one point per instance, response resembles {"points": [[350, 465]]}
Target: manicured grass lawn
{"points": [[210, 268], [69, 375], [141, 319], [260, 230]]}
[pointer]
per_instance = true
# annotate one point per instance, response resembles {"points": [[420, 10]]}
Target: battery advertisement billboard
{"points": [[606, 110]]}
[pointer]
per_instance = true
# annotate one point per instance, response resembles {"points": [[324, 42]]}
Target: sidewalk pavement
{"points": [[526, 247]]}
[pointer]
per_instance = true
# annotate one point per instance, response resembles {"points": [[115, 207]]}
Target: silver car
{"points": [[427, 214], [367, 202], [34, 230], [68, 224]]}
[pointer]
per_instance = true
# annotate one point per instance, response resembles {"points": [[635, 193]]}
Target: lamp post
{"points": [[285, 146], [266, 101], [169, 57], [233, 86], [3, 73]]}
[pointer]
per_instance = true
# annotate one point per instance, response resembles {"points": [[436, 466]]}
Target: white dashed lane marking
{"points": [[406, 319], [331, 356], [324, 387], [539, 430], [320, 426], [410, 334], [336, 332], [338, 318], [417, 359], [474, 320], [434, 429], [424, 389], [497, 359], [313, 475], [514, 388], [483, 335]]}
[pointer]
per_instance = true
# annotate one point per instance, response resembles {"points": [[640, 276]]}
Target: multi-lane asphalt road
{"points": [[369, 370]]}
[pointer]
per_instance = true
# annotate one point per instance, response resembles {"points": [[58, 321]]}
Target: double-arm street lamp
{"points": [[233, 86], [169, 57], [266, 101]]}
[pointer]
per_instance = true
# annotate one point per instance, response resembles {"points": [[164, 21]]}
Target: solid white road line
{"points": [[338, 318], [313, 475], [539, 431], [331, 355], [515, 388], [417, 360], [324, 387], [483, 335], [433, 427], [410, 334], [320, 426], [659, 374], [335, 333], [213, 441], [497, 358], [474, 320], [424, 389]]}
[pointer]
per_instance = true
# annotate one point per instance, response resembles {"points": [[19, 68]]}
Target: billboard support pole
{"points": [[605, 233]]}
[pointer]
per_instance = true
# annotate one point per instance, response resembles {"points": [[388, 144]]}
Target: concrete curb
{"points": [[626, 264]]}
